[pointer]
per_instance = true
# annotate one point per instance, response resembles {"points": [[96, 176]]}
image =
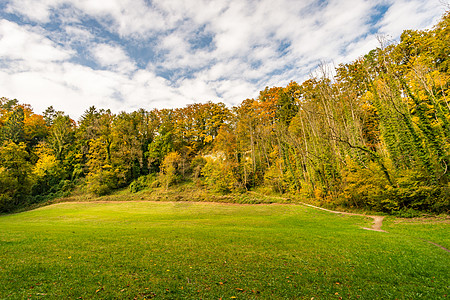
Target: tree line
{"points": [[373, 136]]}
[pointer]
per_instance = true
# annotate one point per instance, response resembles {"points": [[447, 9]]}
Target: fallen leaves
{"points": [[150, 295]]}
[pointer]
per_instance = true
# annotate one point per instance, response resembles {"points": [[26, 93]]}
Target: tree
{"points": [[13, 126], [15, 179], [170, 169], [61, 134], [48, 171]]}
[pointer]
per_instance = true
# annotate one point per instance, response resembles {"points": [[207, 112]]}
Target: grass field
{"points": [[184, 250]]}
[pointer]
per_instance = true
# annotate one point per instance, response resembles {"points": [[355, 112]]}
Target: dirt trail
{"points": [[376, 225], [437, 245], [377, 220]]}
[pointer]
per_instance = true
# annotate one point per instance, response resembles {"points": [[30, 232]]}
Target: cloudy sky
{"points": [[128, 54]]}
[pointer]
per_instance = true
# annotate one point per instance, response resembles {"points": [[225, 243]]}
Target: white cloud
{"points": [[35, 10], [253, 44], [129, 17], [410, 14], [113, 57], [233, 90], [67, 87], [126, 17], [199, 11], [20, 43], [76, 34]]}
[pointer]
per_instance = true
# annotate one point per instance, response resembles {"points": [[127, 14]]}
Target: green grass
{"points": [[185, 250], [435, 229]]}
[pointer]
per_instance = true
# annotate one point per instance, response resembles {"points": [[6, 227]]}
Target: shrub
{"points": [[220, 177], [170, 168], [142, 183], [102, 182], [275, 179], [197, 165]]}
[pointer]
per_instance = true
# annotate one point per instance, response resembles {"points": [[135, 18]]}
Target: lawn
{"points": [[185, 250]]}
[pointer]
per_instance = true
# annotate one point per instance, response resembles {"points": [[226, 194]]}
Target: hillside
{"points": [[375, 136]]}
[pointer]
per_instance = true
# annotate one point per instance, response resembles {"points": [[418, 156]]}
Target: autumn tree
{"points": [[15, 175]]}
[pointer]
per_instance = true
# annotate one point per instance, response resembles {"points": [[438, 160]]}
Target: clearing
{"points": [[185, 250]]}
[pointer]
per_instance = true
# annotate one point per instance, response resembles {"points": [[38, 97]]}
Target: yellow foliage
{"points": [[169, 168], [363, 184], [47, 163], [318, 193], [208, 139]]}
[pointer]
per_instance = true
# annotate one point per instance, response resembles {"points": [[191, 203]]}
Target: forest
{"points": [[374, 135]]}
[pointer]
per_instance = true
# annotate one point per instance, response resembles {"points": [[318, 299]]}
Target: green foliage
{"points": [[364, 187], [197, 165], [407, 213], [158, 149], [219, 175], [170, 169], [15, 176], [103, 181], [142, 183], [8, 189], [7, 104], [136, 186], [48, 172], [275, 179], [287, 106], [13, 127], [61, 134]]}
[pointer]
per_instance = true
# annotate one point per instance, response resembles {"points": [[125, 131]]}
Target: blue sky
{"points": [[130, 54]]}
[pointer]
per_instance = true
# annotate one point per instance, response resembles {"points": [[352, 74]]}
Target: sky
{"points": [[131, 54]]}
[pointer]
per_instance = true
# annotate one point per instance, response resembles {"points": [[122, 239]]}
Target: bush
{"points": [[275, 179], [365, 186], [142, 183], [136, 186], [368, 188], [170, 169], [7, 203], [197, 165], [220, 177], [407, 213], [102, 182], [15, 176]]}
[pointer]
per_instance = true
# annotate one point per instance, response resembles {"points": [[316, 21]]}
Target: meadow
{"points": [[187, 250]]}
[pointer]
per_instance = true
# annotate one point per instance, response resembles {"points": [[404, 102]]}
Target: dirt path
{"points": [[437, 245], [377, 220], [376, 225]]}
